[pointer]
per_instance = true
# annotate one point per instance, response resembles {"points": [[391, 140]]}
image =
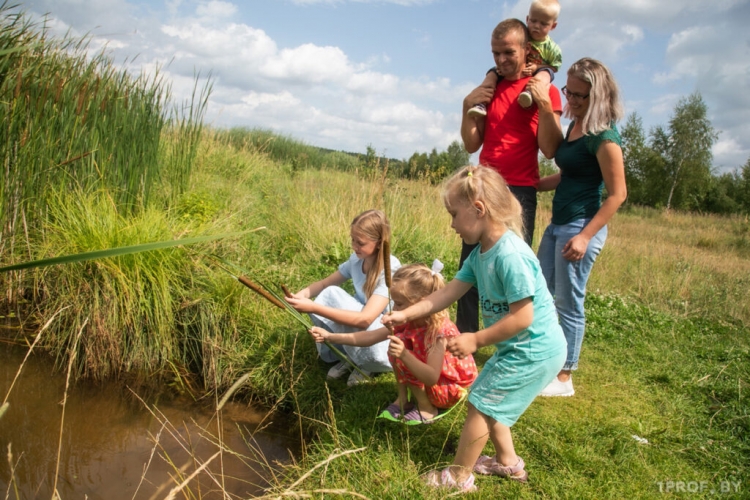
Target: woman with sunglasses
{"points": [[590, 159]]}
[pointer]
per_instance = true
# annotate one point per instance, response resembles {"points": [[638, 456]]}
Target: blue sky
{"points": [[345, 74]]}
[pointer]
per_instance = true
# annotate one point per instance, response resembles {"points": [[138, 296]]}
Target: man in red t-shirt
{"points": [[510, 136]]}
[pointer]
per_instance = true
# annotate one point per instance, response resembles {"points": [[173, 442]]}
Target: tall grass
{"points": [[687, 264], [75, 121]]}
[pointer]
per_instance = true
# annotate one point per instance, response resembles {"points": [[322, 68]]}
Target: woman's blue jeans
{"points": [[566, 280]]}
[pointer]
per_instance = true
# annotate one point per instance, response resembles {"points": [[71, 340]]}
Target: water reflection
{"points": [[113, 447]]}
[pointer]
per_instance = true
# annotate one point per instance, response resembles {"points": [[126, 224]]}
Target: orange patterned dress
{"points": [[456, 375]]}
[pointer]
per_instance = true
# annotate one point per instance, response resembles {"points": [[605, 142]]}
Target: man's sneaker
{"points": [[339, 369], [477, 110], [557, 388], [524, 99], [357, 378]]}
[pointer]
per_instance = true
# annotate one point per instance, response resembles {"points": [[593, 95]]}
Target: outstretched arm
{"points": [[436, 301], [358, 319], [518, 319], [365, 338]]}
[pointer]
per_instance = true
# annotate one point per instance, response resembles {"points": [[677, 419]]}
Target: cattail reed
{"points": [[286, 291], [260, 291], [139, 138], [386, 251]]}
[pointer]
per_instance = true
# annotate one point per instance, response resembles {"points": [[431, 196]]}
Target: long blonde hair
{"points": [[605, 106], [477, 183], [415, 282], [373, 225]]}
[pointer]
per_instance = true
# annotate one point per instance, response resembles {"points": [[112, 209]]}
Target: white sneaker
{"points": [[557, 388], [339, 369], [525, 99], [357, 378], [477, 110]]}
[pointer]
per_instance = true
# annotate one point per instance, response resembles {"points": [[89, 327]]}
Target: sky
{"points": [[392, 74]]}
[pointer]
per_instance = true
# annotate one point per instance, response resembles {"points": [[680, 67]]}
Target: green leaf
{"points": [[115, 252]]}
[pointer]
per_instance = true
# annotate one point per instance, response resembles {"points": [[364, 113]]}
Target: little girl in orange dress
{"points": [[417, 351]]}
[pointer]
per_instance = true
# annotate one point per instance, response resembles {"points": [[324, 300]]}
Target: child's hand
{"points": [[463, 345], [396, 348], [529, 69], [301, 304], [319, 334], [391, 319]]}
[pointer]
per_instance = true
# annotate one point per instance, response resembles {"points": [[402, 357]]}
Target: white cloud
{"points": [[405, 3], [216, 9], [600, 41], [309, 63]]}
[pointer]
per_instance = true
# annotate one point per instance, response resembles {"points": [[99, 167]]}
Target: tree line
{"points": [[668, 168], [671, 167]]}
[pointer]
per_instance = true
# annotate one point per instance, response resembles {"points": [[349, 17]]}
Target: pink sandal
{"points": [[444, 479], [489, 466]]}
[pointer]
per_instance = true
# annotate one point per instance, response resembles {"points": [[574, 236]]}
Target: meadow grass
{"points": [[650, 368]]}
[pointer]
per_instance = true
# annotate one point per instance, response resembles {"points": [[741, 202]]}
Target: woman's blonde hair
{"points": [[415, 282], [373, 225], [605, 106], [478, 183]]}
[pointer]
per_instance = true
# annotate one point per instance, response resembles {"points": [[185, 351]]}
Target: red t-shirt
{"points": [[510, 144]]}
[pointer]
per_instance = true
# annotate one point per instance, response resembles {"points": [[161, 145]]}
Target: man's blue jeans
{"points": [[566, 280]]}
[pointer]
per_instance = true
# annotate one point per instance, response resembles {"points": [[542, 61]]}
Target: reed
{"points": [[72, 121]]}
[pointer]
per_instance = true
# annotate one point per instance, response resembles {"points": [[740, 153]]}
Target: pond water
{"points": [[114, 446]]}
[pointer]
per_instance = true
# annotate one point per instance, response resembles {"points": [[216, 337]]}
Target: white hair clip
{"points": [[437, 266]]}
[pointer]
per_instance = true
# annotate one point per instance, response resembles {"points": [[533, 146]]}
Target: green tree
{"points": [[743, 191], [643, 166], [457, 156], [686, 150], [371, 160]]}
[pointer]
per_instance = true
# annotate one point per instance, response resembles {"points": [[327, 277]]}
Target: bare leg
{"points": [[503, 441], [402, 399], [473, 438], [426, 408], [564, 375]]}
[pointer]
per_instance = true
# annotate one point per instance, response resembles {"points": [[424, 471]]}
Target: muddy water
{"points": [[113, 447]]}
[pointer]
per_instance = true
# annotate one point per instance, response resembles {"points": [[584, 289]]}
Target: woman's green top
{"points": [[579, 194]]}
